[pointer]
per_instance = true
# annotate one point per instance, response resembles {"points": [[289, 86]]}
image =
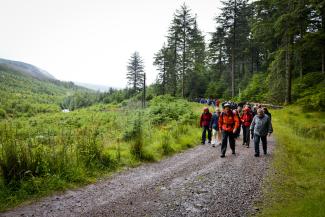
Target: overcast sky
{"points": [[91, 40]]}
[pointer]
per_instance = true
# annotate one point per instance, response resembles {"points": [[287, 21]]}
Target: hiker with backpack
{"points": [[261, 127], [228, 123], [205, 120], [216, 134], [246, 119]]}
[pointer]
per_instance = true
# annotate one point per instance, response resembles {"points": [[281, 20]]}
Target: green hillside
{"points": [[43, 149], [24, 95]]}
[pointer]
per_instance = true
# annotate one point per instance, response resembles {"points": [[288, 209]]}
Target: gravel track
{"points": [[196, 182]]}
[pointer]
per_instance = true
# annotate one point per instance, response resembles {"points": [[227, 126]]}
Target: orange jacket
{"points": [[228, 121]]}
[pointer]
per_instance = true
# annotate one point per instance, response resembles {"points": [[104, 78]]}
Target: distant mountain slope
{"points": [[26, 95], [96, 87], [26, 68]]}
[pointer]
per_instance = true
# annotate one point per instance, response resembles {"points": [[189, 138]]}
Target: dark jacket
{"points": [[269, 115]]}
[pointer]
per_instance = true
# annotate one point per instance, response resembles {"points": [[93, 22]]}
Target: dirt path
{"points": [[194, 183]]}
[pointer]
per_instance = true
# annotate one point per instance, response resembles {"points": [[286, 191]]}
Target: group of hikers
{"points": [[208, 101], [223, 126]]}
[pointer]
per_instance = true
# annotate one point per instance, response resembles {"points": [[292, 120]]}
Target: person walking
{"points": [[261, 127], [246, 120], [217, 103], [267, 113], [228, 123], [254, 110], [214, 125], [205, 124]]}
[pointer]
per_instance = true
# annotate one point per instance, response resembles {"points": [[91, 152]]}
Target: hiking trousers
{"points": [[216, 136], [225, 137], [246, 135], [257, 139], [205, 129]]}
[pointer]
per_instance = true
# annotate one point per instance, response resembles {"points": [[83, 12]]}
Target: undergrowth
{"points": [[48, 153]]}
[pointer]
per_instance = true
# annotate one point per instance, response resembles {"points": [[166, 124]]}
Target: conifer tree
{"points": [[135, 70]]}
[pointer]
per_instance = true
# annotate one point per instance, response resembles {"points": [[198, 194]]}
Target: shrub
{"points": [[165, 144], [134, 134], [257, 89], [310, 91], [2, 113]]}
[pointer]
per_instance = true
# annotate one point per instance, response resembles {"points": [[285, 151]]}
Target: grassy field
{"points": [[52, 152], [298, 187]]}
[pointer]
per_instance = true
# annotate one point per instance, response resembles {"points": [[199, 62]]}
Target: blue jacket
{"points": [[214, 121]]}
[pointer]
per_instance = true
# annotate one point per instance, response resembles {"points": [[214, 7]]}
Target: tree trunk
{"points": [[322, 43], [288, 69], [135, 82], [184, 53], [252, 60], [233, 55], [175, 69], [301, 56], [220, 64], [233, 73], [164, 77], [144, 91], [323, 59], [301, 70]]}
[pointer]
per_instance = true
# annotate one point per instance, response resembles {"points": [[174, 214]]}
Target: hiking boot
{"points": [[213, 145], [234, 153], [222, 156], [202, 143], [256, 155], [244, 143]]}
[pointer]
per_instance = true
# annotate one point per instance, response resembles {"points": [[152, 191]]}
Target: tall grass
{"points": [[297, 188], [43, 154], [59, 154]]}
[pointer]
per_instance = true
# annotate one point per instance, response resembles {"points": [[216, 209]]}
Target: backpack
{"points": [[232, 115]]}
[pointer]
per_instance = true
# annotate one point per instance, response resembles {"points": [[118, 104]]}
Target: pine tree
{"points": [[176, 61], [217, 53], [183, 25], [197, 77], [135, 70], [234, 22], [162, 63]]}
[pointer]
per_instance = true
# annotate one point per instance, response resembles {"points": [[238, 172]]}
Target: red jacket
{"points": [[228, 121], [205, 119], [247, 119]]}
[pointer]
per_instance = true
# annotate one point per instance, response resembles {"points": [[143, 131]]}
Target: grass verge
{"points": [[297, 187]]}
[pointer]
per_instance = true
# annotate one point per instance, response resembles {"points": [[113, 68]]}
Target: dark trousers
{"points": [[205, 129], [237, 133], [246, 135], [257, 144], [227, 136]]}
